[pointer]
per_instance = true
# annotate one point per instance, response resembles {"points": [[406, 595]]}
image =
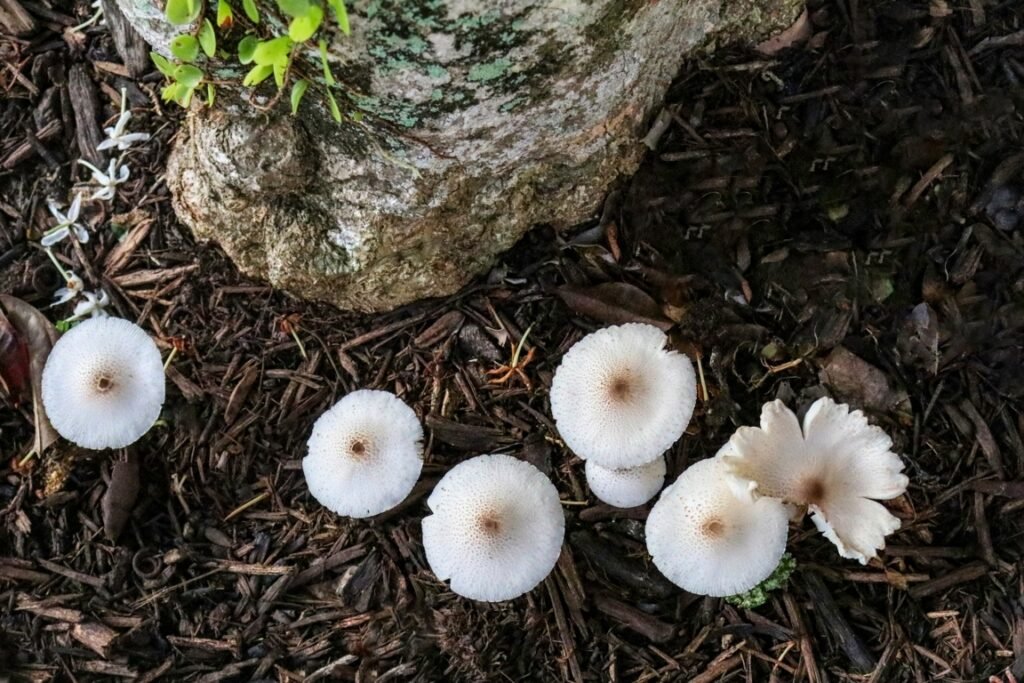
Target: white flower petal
{"points": [[56, 212], [857, 526], [75, 208], [53, 237], [81, 233], [108, 143], [63, 295]]}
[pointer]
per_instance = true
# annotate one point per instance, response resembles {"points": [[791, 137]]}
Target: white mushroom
{"points": [[496, 530], [365, 454], [103, 383], [626, 488], [709, 541], [835, 467], [620, 398]]}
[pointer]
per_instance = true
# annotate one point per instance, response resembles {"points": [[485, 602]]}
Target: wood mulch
{"points": [[843, 217]]}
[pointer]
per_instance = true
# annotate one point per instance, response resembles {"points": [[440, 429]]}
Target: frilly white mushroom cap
{"points": [[496, 530], [835, 467], [620, 398], [629, 487], [103, 383], [709, 541], [365, 454]]}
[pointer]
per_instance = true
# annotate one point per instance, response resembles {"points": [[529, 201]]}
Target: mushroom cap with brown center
{"points": [[103, 384], [707, 540], [365, 454], [620, 398], [496, 528]]}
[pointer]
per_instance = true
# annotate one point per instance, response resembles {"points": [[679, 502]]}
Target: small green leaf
{"points": [[207, 38], [246, 47], [257, 75], [279, 73], [211, 94], [185, 97], [302, 28], [356, 116], [250, 11], [225, 16], [185, 48], [182, 11], [298, 90], [335, 112], [328, 76], [294, 8], [342, 13], [162, 63], [177, 92], [188, 75], [275, 51]]}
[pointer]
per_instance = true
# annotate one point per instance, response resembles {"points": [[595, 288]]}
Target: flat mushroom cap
{"points": [[626, 488], [365, 454], [103, 383], [496, 530], [835, 466], [709, 541], [620, 398]]}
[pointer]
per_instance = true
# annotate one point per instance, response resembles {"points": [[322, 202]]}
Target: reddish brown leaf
{"points": [[614, 302], [40, 335], [14, 361], [120, 497]]}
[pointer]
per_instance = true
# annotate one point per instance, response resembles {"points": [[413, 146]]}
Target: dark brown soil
{"points": [[843, 218]]}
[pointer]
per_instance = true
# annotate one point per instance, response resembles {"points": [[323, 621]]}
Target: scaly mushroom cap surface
{"points": [[838, 466], [709, 541], [496, 530], [365, 454], [620, 398], [626, 488], [103, 383]]}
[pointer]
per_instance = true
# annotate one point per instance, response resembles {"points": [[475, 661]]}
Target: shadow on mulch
{"points": [[843, 218]]}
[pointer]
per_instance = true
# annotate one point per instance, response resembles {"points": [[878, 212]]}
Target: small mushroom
{"points": [[496, 530], [365, 454], [620, 398], [707, 540], [835, 466], [103, 383], [629, 487]]}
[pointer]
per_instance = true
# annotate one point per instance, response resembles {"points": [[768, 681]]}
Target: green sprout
{"points": [[758, 595]]}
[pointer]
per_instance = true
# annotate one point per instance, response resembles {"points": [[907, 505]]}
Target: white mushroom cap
{"points": [[365, 454], [496, 530], [620, 398], [835, 467], [629, 487], [709, 541], [103, 383]]}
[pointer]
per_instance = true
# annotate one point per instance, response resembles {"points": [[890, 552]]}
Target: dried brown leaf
{"points": [[14, 362], [614, 302], [120, 497], [40, 335]]}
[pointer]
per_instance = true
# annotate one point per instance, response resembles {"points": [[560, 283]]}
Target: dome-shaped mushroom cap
{"points": [[629, 487], [365, 454], [496, 530], [707, 540], [620, 398], [835, 466], [103, 383]]}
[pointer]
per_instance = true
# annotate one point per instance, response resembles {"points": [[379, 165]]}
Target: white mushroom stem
{"points": [[626, 488]]}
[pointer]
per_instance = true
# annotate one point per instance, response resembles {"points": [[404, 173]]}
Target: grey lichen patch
{"points": [[606, 34], [751, 21]]}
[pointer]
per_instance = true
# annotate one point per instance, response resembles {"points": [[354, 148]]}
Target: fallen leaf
{"points": [[798, 32], [14, 370], [40, 335], [120, 497], [853, 380], [918, 338], [614, 302]]}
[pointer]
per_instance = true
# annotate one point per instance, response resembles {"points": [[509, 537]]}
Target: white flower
{"points": [[108, 181], [73, 288], [836, 466], [117, 137], [93, 305], [65, 223]]}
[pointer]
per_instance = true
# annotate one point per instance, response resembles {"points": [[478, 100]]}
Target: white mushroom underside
{"points": [[103, 383], [628, 487], [707, 540], [620, 398], [835, 466], [365, 454], [496, 530]]}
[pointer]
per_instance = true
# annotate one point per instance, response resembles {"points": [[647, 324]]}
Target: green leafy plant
{"points": [[205, 48], [759, 594]]}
